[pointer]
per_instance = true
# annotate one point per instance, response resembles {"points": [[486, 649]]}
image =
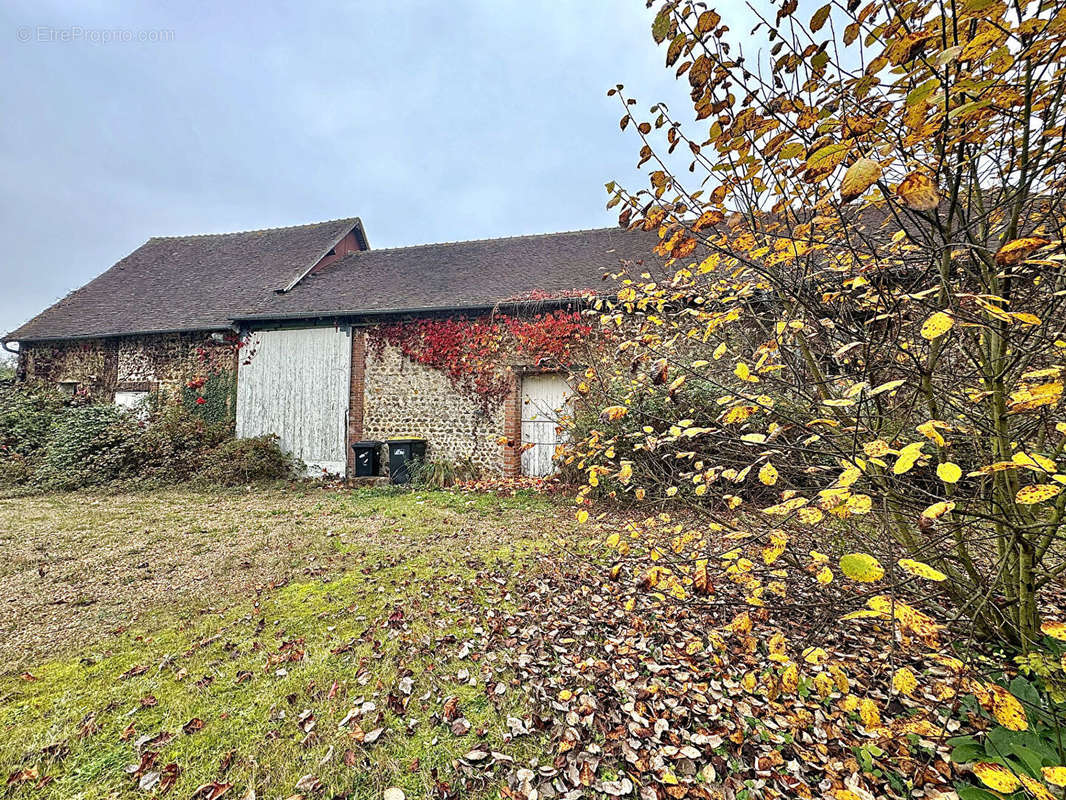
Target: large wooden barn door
{"points": [[295, 384], [545, 400]]}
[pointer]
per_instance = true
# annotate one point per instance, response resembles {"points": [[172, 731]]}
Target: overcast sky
{"points": [[431, 120]]}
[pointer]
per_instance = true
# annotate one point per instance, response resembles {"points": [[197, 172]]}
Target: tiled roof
{"points": [[176, 283], [209, 282], [458, 275]]}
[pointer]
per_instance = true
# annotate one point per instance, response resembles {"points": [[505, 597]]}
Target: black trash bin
{"points": [[401, 453], [367, 458]]}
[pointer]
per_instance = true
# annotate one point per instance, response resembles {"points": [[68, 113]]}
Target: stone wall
{"points": [[163, 362], [402, 398], [92, 364]]}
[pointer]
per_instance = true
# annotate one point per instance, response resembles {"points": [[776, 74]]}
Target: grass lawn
{"points": [[278, 641]]}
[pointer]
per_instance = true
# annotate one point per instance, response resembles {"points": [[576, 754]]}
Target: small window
{"points": [[68, 387]]}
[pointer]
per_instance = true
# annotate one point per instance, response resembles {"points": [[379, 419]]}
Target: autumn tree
{"points": [[857, 343]]}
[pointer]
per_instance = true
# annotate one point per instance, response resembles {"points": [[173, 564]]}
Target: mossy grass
{"points": [[444, 560]]}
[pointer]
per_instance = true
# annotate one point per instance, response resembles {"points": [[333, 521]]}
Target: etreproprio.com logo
{"points": [[78, 33]]}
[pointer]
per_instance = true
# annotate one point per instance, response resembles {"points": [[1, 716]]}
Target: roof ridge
{"points": [[336, 221], [491, 239]]}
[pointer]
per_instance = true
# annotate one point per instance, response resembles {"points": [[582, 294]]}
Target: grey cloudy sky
{"points": [[431, 120]]}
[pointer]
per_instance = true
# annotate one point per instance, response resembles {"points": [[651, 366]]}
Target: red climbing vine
{"points": [[472, 352]]}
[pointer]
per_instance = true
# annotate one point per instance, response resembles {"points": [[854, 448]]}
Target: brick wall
{"points": [[358, 394], [166, 362]]}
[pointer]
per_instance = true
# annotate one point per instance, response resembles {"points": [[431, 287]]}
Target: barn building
{"points": [[307, 333]]}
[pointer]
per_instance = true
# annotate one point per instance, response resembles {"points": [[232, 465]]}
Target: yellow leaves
{"points": [[1034, 461], [1035, 787], [949, 472], [928, 429], [741, 623], [768, 474], [787, 507], [869, 713], [810, 515], [790, 678], [937, 510], [776, 547], [859, 504], [1037, 493], [1029, 398], [885, 387], [907, 457], [1025, 318], [921, 570], [1006, 708], [824, 576], [1019, 250], [1056, 776], [654, 576], [823, 684], [625, 471], [936, 325], [613, 413], [859, 177], [918, 192], [848, 477], [739, 413], [909, 619], [822, 162], [839, 679], [743, 372], [613, 539], [876, 448], [582, 516], [904, 682], [996, 777], [1056, 630], [861, 567], [565, 695]]}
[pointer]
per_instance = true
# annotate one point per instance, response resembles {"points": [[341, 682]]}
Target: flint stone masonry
{"points": [[163, 362], [405, 399]]}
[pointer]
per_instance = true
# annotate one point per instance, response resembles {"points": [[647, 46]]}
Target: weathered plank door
{"points": [[545, 401], [295, 384]]}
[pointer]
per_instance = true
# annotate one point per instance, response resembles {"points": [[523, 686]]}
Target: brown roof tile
{"points": [[208, 282], [177, 283], [457, 275]]}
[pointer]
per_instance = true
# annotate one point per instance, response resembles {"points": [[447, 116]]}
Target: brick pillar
{"points": [[357, 394], [512, 428]]}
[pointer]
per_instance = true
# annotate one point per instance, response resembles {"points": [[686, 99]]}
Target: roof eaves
{"points": [[114, 334], [400, 311]]}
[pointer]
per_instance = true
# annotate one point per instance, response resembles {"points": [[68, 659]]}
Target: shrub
{"points": [[26, 416], [440, 473], [240, 461], [79, 444], [51, 440]]}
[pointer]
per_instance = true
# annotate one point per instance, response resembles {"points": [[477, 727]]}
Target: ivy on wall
{"points": [[472, 351], [212, 398]]}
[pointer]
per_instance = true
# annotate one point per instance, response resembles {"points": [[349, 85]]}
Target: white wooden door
{"points": [[545, 401], [295, 384]]}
